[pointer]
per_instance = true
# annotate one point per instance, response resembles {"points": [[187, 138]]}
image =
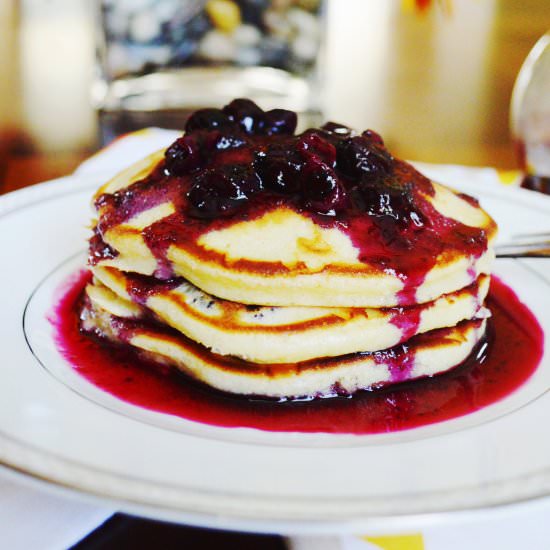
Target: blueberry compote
{"points": [[501, 364], [239, 162]]}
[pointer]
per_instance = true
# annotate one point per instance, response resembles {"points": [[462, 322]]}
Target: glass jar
{"points": [[158, 60], [530, 116]]}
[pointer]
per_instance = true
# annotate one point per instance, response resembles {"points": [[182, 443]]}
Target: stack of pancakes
{"points": [[279, 304]]}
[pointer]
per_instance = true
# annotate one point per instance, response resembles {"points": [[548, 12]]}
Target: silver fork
{"points": [[534, 245]]}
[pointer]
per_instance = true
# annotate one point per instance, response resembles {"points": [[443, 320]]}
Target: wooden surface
{"points": [[436, 85]]}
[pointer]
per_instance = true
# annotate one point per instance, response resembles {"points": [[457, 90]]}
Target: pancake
{"points": [[273, 252], [425, 355], [261, 262], [266, 334]]}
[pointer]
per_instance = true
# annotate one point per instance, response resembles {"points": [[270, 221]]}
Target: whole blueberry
{"points": [[337, 130], [246, 114], [316, 150], [242, 178], [360, 157], [280, 121], [212, 199], [220, 192], [279, 171], [373, 137], [322, 192], [182, 156], [389, 200], [208, 119]]}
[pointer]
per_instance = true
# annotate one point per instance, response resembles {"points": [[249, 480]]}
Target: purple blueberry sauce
{"points": [[491, 373], [240, 162]]}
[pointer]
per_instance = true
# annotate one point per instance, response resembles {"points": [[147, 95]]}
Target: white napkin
{"points": [[31, 518], [520, 527]]}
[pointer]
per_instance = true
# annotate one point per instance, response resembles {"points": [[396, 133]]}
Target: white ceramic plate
{"points": [[55, 426]]}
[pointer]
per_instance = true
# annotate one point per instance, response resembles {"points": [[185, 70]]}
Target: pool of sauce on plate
{"points": [[501, 364]]}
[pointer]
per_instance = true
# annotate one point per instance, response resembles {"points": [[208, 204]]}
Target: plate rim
{"points": [[55, 189]]}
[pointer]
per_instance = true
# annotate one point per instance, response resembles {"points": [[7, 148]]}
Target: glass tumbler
{"points": [[530, 116], [158, 60]]}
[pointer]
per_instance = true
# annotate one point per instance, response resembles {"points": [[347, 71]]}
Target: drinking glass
{"points": [[530, 116], [158, 60]]}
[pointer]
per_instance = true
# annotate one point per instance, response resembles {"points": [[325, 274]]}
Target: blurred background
{"points": [[434, 78]]}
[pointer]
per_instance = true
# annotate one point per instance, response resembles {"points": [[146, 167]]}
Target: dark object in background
{"points": [[530, 116], [537, 183], [122, 532]]}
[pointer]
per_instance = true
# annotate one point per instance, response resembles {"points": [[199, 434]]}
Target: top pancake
{"points": [[275, 252]]}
